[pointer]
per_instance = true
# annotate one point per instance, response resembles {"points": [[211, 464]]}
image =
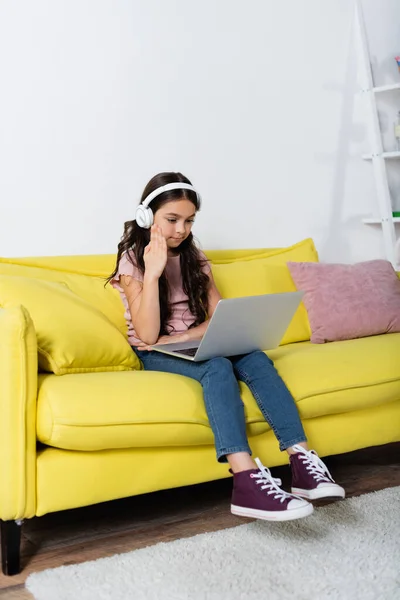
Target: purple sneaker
{"points": [[257, 494], [311, 478]]}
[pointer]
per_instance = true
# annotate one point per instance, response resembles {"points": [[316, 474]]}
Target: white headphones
{"points": [[144, 215]]}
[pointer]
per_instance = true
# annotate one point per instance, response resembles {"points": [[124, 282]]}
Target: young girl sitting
{"points": [[169, 294]]}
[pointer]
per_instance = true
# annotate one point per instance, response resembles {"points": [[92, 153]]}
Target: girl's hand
{"points": [[166, 339], [155, 253]]}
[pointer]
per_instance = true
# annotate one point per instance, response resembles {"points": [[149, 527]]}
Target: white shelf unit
{"points": [[378, 157], [395, 154], [378, 221], [386, 88]]}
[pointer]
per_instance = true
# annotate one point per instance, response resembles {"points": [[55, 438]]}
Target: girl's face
{"points": [[175, 219]]}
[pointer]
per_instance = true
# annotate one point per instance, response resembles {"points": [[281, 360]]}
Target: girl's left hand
{"points": [[166, 339]]}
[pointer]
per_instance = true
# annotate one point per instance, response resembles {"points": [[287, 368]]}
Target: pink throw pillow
{"points": [[344, 302]]}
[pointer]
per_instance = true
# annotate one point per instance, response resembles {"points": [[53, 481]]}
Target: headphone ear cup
{"points": [[144, 216]]}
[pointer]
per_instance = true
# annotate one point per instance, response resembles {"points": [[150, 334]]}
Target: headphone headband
{"points": [[167, 188], [144, 215]]}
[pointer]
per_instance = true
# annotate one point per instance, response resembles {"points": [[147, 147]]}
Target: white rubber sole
{"points": [[328, 491], [273, 515]]}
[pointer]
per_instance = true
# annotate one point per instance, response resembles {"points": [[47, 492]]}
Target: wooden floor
{"points": [[123, 525]]}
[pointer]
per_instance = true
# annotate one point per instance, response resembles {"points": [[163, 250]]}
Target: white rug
{"points": [[349, 550]]}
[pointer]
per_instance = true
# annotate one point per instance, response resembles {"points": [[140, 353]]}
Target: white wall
{"points": [[254, 101]]}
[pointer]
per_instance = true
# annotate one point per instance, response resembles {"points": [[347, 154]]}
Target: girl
{"points": [[169, 295]]}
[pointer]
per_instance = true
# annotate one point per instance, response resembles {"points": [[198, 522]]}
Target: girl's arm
{"points": [[196, 333], [143, 298], [144, 307]]}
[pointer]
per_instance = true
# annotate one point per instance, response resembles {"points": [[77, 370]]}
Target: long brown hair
{"points": [[135, 239]]}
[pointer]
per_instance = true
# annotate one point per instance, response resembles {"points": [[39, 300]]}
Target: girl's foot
{"points": [[310, 477], [257, 494]]}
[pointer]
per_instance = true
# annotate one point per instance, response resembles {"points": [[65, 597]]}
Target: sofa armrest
{"points": [[18, 392]]}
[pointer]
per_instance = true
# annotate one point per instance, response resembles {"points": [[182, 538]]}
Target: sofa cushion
{"points": [[341, 376], [72, 335], [240, 278], [88, 287], [255, 277], [349, 301], [267, 273], [279, 280], [96, 411]]}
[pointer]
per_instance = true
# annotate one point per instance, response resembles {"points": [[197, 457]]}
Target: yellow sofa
{"points": [[79, 427]]}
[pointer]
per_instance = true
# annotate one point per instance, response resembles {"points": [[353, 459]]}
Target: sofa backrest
{"points": [[85, 276], [243, 272], [102, 265]]}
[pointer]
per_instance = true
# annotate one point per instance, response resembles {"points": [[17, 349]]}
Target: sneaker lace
{"points": [[270, 484], [315, 465]]}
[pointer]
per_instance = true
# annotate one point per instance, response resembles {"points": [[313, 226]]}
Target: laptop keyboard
{"points": [[186, 351]]}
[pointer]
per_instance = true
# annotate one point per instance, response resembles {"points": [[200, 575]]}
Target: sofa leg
{"points": [[10, 546]]}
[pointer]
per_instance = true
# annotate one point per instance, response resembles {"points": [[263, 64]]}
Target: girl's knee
{"points": [[256, 362], [260, 357], [266, 358], [220, 364]]}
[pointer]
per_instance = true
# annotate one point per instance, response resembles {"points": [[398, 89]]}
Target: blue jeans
{"points": [[223, 403]]}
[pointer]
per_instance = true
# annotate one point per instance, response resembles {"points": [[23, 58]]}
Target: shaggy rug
{"points": [[349, 550]]}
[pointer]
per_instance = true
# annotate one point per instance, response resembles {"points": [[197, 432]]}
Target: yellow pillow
{"points": [[303, 251], [72, 335], [255, 277], [279, 280], [106, 299], [267, 273], [240, 279]]}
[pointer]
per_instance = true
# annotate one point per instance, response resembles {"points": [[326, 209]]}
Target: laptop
{"points": [[239, 326]]}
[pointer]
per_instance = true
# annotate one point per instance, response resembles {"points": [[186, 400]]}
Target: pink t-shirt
{"points": [[181, 316]]}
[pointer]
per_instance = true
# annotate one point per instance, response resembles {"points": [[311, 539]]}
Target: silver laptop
{"points": [[239, 326]]}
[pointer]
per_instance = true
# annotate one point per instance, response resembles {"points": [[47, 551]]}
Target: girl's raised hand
{"points": [[155, 253]]}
